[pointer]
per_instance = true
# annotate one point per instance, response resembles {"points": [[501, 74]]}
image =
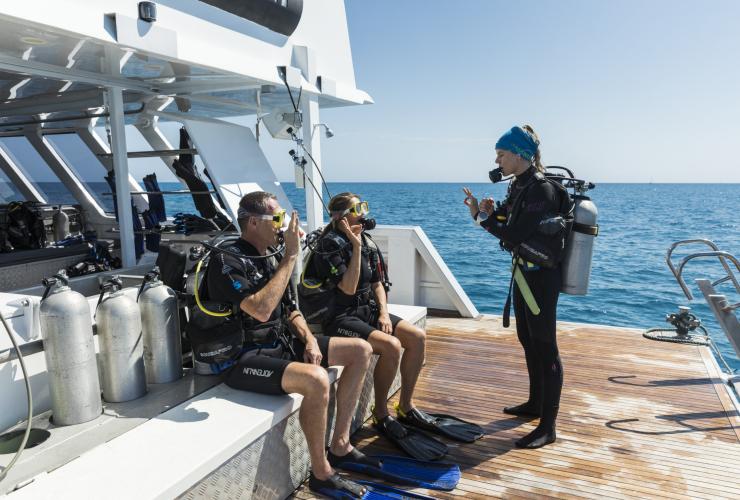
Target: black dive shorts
{"points": [[262, 370], [357, 323]]}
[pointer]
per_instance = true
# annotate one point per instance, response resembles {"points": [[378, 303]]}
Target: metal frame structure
{"points": [[723, 311]]}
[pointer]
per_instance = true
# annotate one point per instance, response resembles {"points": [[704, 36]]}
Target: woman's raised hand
{"points": [[471, 201], [352, 232]]}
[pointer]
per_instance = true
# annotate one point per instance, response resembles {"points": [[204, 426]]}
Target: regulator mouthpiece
{"points": [[368, 224], [496, 175]]}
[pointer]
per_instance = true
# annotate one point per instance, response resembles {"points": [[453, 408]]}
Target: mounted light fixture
{"points": [[327, 131]]}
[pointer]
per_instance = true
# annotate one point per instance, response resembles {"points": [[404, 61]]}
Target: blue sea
{"points": [[631, 285]]}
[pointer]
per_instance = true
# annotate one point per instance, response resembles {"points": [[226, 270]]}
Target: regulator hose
{"points": [[5, 471]]}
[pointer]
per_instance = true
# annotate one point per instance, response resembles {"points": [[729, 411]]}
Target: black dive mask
{"points": [[496, 175], [368, 224]]}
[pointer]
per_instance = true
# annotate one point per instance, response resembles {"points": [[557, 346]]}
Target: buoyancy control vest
{"points": [[326, 262], [546, 246], [25, 226], [220, 331]]}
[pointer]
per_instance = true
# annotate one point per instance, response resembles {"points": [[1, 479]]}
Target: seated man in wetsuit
{"points": [[280, 355], [345, 256]]}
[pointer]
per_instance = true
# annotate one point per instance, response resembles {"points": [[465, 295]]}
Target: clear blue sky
{"points": [[620, 91]]}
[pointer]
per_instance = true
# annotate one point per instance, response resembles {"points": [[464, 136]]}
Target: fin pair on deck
{"points": [[409, 432], [400, 470], [419, 471]]}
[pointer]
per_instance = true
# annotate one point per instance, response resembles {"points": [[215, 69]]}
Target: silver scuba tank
{"points": [[60, 224], [69, 348], [160, 323], [121, 344], [576, 266]]}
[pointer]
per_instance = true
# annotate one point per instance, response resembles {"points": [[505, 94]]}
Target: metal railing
{"points": [[722, 256]]}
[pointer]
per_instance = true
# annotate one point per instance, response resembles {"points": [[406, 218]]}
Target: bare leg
{"points": [[354, 355], [312, 382], [389, 349], [413, 340]]}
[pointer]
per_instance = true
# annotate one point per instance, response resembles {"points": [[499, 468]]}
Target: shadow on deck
{"points": [[637, 418]]}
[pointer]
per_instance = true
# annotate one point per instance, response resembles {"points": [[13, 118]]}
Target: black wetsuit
{"points": [[351, 315], [536, 333], [264, 357]]}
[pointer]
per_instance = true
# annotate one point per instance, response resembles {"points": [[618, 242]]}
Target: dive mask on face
{"points": [[359, 209], [278, 218]]}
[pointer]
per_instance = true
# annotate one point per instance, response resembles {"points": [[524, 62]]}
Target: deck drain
{"points": [[10, 441]]}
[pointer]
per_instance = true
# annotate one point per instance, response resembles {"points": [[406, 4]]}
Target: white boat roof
{"points": [[57, 58]]}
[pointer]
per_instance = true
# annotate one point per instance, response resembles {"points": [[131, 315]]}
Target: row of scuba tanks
{"points": [[139, 344]]}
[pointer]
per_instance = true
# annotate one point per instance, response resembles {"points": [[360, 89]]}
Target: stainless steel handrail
{"points": [[721, 255]]}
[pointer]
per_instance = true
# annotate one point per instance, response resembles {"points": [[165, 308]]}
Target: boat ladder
{"points": [[723, 311]]}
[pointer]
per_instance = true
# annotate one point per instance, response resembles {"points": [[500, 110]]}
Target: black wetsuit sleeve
{"points": [[540, 200]]}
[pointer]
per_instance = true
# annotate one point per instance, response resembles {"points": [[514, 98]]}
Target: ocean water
{"points": [[630, 286]]}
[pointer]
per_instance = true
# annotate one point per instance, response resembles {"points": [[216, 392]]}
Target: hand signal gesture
{"points": [[471, 201], [292, 236], [352, 232]]}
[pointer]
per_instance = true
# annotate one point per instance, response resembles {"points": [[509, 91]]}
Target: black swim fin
{"points": [[411, 441], [445, 425], [400, 470]]}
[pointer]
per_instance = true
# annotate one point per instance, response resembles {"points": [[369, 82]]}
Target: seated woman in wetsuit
{"points": [[349, 259]]}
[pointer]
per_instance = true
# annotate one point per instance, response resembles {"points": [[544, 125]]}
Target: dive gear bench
{"points": [[220, 439]]}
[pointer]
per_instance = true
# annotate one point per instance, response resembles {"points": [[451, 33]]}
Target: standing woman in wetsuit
{"points": [[515, 222]]}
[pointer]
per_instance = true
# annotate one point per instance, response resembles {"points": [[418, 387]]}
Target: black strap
{"points": [[384, 270], [586, 229], [507, 305]]}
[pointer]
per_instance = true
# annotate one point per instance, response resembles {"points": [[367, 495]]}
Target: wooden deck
{"points": [[637, 418]]}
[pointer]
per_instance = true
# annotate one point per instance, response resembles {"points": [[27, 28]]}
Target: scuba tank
{"points": [[121, 346], [576, 264], [60, 224], [580, 247], [160, 323], [69, 349]]}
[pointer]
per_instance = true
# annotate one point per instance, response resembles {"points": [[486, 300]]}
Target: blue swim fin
{"points": [[400, 470], [383, 491]]}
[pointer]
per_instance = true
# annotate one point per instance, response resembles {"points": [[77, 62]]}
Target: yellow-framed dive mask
{"points": [[358, 209], [278, 218]]}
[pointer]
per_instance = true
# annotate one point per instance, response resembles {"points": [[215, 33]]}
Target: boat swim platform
{"points": [[638, 418]]}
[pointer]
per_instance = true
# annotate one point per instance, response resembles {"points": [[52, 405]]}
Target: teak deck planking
{"points": [[638, 418]]}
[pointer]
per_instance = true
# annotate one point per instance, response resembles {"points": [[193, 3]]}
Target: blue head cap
{"points": [[519, 142]]}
